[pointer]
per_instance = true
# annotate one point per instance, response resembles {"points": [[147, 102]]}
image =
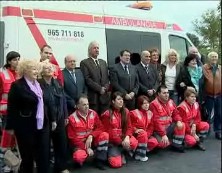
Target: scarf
{"points": [[195, 74], [40, 110]]}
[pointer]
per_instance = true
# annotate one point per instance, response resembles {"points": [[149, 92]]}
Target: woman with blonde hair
{"points": [[26, 118], [56, 111], [170, 71]]}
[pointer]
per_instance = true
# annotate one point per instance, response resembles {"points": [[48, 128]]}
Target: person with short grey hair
{"points": [[213, 92], [201, 57], [74, 82], [148, 76], [95, 72]]}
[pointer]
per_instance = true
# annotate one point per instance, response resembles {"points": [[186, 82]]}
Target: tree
{"points": [[195, 39], [219, 7], [208, 27]]}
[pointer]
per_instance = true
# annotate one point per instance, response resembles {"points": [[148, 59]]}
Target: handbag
{"points": [[12, 160]]}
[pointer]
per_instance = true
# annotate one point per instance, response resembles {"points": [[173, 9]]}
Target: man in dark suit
{"points": [[74, 82], [95, 72], [125, 79], [148, 76]]}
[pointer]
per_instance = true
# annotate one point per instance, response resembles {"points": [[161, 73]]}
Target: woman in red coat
{"points": [[196, 130], [142, 123], [117, 123]]}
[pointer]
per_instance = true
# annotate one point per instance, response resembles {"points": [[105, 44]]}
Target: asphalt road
{"points": [[166, 161]]}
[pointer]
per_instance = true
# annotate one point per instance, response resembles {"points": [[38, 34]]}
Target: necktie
{"points": [[73, 76], [147, 70], [97, 63], [126, 69]]}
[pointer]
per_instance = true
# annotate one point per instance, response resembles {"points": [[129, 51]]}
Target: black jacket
{"points": [[147, 81], [22, 108], [122, 82], [54, 100], [163, 69], [184, 76], [73, 90]]}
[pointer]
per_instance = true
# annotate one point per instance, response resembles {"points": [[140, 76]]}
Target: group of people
{"points": [[109, 114]]}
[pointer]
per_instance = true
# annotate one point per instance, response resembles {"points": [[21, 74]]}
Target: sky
{"points": [[182, 12]]}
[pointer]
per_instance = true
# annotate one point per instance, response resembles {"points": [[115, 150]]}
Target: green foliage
{"points": [[208, 27], [194, 38]]}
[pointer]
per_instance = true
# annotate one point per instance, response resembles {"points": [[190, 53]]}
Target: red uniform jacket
{"points": [[142, 119], [190, 114], [113, 126], [164, 115], [7, 77], [79, 129]]}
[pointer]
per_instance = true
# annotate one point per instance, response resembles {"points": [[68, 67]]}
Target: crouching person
{"points": [[196, 130], [142, 123], [86, 136], [169, 128], [117, 123]]}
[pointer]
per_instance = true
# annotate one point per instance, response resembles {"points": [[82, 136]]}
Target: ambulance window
{"points": [[2, 38], [118, 40], [179, 44], [151, 40]]}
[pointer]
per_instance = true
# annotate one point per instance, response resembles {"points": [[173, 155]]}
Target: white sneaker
{"points": [[142, 159]]}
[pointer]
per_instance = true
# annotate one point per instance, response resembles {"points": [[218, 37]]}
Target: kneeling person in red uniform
{"points": [[196, 130], [169, 128], [142, 123], [117, 123], [85, 133]]}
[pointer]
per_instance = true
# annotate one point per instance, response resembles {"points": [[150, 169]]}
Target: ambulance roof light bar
{"points": [[143, 5]]}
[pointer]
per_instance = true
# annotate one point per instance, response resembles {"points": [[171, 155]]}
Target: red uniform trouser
{"points": [[115, 153], [145, 144], [175, 136], [202, 129], [152, 143], [8, 140], [101, 144]]}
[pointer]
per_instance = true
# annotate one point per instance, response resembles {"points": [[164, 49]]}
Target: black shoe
{"points": [[218, 136], [77, 165], [200, 146], [154, 151], [178, 149], [100, 165]]}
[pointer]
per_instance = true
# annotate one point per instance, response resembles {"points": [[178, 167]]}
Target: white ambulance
{"points": [[69, 26]]}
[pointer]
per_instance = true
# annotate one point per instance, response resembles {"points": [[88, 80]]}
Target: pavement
{"points": [[167, 161]]}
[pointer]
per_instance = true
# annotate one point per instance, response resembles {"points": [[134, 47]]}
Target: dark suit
{"points": [[147, 81], [96, 78], [56, 109], [33, 144], [73, 90], [125, 83]]}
